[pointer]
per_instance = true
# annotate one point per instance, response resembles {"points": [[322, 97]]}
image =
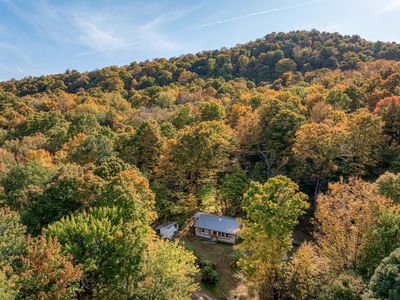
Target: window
{"points": [[204, 231], [224, 235]]}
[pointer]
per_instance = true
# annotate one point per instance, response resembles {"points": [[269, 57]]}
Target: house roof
{"points": [[166, 226], [217, 223]]}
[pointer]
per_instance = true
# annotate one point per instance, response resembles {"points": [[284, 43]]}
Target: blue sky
{"points": [[44, 37]]}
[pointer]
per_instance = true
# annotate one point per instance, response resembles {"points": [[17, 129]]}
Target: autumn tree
{"points": [[366, 139], [388, 108], [305, 274], [320, 147], [344, 216], [47, 273], [200, 152], [169, 272], [130, 192]]}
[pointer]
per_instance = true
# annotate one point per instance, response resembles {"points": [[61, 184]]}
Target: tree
{"points": [[366, 138], [94, 148], [200, 152], [211, 111], [12, 237], [8, 285], [389, 109], [110, 167], [381, 239], [272, 210], [344, 287], [339, 100], [385, 283], [233, 186], [142, 148], [47, 273], [69, 190], [344, 216], [284, 65], [305, 274], [389, 186], [320, 147], [110, 249], [183, 116], [169, 272], [130, 192], [350, 60], [23, 180]]}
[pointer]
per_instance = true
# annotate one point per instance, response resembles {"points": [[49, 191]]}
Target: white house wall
{"points": [[199, 233], [230, 240]]}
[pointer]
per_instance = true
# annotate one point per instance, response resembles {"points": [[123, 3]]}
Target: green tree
{"points": [[95, 148], [110, 167], [272, 210], [69, 191], [183, 116], [284, 65], [385, 283], [382, 238], [233, 186], [211, 111], [344, 287], [389, 186], [142, 148], [350, 61], [12, 237], [8, 286], [110, 250], [24, 180]]}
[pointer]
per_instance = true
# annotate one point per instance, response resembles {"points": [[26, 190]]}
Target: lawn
{"points": [[230, 284]]}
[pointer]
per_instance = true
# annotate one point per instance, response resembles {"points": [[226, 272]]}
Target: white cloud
{"points": [[95, 36], [389, 6]]}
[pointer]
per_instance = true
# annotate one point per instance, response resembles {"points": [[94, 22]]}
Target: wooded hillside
{"points": [[300, 126]]}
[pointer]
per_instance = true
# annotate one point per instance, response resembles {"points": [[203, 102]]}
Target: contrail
{"points": [[258, 13]]}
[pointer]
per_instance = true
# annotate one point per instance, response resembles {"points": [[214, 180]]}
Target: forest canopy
{"points": [[298, 129]]}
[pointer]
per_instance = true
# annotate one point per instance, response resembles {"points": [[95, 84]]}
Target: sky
{"points": [[40, 37]]}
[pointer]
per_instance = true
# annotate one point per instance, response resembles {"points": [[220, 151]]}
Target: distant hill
{"points": [[261, 61]]}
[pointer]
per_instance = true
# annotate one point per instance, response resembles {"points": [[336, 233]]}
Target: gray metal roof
{"points": [[217, 223], [167, 226]]}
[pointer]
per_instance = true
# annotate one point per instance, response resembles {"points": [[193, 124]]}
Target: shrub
{"points": [[208, 273]]}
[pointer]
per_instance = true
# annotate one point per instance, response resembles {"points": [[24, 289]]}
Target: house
{"points": [[219, 228], [167, 231]]}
